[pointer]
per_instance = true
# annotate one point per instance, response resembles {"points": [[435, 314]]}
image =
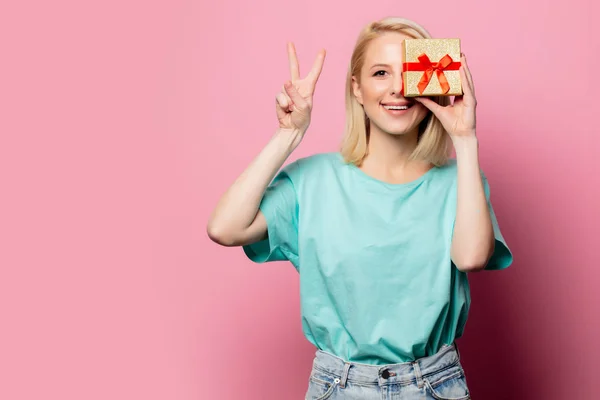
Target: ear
{"points": [[356, 90]]}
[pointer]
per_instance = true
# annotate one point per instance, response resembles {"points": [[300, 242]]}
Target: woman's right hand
{"points": [[237, 219], [294, 102]]}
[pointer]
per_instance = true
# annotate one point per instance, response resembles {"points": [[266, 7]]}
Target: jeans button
{"points": [[385, 374]]}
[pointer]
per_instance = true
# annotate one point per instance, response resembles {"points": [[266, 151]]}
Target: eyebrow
{"points": [[379, 65]]}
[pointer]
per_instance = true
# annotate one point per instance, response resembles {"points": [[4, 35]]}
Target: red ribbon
{"points": [[424, 64]]}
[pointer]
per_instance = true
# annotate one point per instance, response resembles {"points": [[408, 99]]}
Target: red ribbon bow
{"points": [[445, 64]]}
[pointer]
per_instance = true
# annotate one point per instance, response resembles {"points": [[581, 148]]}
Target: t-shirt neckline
{"points": [[363, 175]]}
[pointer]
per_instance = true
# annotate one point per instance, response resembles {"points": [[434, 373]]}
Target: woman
{"points": [[382, 233]]}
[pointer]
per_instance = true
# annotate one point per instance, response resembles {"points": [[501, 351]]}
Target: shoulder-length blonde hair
{"points": [[433, 143]]}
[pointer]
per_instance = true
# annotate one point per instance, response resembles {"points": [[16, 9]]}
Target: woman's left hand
{"points": [[459, 118]]}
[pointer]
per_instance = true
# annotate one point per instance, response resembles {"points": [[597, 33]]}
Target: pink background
{"points": [[123, 122]]}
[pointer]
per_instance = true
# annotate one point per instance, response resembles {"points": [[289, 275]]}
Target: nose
{"points": [[397, 85]]}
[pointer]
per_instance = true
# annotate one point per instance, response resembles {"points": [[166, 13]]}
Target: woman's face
{"points": [[380, 88]]}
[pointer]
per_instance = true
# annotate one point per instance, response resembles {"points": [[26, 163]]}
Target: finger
{"points": [[293, 59], [430, 104], [468, 73], [283, 101], [315, 72], [468, 96], [297, 99], [458, 100], [282, 106], [287, 97], [467, 90]]}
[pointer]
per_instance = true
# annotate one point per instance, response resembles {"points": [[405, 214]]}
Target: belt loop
{"points": [[418, 375], [347, 366]]}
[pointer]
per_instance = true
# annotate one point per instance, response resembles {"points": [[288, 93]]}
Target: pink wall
{"points": [[122, 123]]}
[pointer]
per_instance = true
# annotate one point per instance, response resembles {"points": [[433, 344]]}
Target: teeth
{"points": [[395, 107]]}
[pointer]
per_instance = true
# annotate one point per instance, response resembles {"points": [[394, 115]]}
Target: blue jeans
{"points": [[439, 376]]}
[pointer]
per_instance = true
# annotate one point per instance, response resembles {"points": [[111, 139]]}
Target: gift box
{"points": [[431, 67]]}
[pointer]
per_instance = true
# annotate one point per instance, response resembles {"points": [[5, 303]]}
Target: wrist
{"points": [[288, 139], [466, 144]]}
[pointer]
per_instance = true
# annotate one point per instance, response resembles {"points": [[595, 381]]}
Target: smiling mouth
{"points": [[398, 107]]}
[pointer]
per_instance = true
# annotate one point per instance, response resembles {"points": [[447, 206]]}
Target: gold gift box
{"points": [[428, 63]]}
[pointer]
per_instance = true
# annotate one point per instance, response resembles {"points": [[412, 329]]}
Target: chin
{"points": [[400, 133], [396, 129]]}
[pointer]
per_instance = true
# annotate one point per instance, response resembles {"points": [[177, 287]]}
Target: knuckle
{"points": [[304, 108], [281, 100]]}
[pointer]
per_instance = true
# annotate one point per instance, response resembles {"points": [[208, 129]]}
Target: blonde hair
{"points": [[433, 143]]}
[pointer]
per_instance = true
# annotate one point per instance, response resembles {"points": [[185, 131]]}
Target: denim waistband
{"points": [[403, 373]]}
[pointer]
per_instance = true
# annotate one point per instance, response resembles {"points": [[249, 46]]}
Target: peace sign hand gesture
{"points": [[295, 101]]}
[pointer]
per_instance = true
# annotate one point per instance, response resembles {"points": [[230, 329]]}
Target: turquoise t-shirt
{"points": [[377, 285]]}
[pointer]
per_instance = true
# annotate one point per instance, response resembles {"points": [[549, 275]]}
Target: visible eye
{"points": [[379, 73]]}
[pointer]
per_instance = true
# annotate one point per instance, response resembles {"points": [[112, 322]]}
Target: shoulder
{"points": [[448, 174], [320, 160], [318, 163], [450, 169]]}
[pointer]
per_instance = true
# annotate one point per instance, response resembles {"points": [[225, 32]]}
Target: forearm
{"points": [[473, 238], [238, 206]]}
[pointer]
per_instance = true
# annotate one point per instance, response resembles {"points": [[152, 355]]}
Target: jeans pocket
{"points": [[449, 387], [321, 385]]}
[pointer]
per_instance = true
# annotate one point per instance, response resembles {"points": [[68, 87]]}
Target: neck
{"points": [[388, 156], [392, 151]]}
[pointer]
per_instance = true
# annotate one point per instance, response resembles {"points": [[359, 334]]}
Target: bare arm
{"points": [[237, 219], [473, 237], [473, 240]]}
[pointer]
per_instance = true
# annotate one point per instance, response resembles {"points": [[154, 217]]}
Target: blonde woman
{"points": [[382, 233]]}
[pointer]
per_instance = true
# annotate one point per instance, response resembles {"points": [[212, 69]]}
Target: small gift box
{"points": [[431, 67]]}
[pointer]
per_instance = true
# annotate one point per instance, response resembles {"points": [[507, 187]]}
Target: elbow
{"points": [[475, 258], [471, 266], [219, 235], [474, 262]]}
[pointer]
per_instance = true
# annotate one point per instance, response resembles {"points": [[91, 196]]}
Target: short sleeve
{"points": [[279, 205], [502, 256]]}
